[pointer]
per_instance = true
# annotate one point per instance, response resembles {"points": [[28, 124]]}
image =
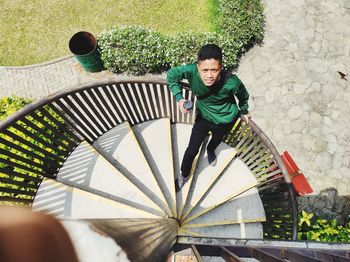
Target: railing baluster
{"points": [[30, 144], [147, 96], [43, 130], [118, 103], [58, 111], [87, 134], [123, 102], [20, 158], [112, 105], [39, 139], [161, 98], [87, 108], [142, 101], [129, 103], [153, 100], [34, 179], [131, 90], [80, 113], [70, 134], [22, 167], [56, 128], [107, 112], [24, 151], [103, 116]]}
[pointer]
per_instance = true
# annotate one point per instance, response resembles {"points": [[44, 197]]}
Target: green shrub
{"points": [[318, 229], [242, 20], [183, 48], [9, 105], [133, 49], [136, 50]]}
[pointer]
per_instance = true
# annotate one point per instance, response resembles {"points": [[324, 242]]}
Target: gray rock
{"points": [[345, 172], [300, 88], [270, 96], [297, 125], [294, 112], [337, 162], [315, 118], [324, 161]]}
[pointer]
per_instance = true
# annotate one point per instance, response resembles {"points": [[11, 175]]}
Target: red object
{"points": [[299, 182]]}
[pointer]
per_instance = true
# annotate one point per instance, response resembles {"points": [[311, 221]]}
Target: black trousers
{"points": [[199, 132]]}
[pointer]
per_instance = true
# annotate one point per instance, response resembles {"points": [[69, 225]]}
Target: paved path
{"points": [[43, 79], [298, 97]]}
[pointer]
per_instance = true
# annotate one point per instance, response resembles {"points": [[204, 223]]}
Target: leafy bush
{"points": [[9, 105], [133, 49], [183, 48], [136, 50], [318, 229], [242, 20], [23, 159]]}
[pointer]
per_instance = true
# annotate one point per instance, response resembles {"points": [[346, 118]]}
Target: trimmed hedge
{"points": [[137, 50]]}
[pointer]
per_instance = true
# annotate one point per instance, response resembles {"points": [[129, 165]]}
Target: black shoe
{"points": [[179, 182], [211, 157]]}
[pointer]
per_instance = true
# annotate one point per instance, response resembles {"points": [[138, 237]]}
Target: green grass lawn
{"points": [[39, 30]]}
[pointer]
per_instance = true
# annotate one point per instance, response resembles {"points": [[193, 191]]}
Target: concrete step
{"points": [[143, 239], [154, 138], [242, 230], [90, 245], [180, 137], [205, 175], [244, 208], [236, 179], [121, 143], [64, 201], [86, 169]]}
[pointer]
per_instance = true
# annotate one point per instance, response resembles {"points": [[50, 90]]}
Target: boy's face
{"points": [[209, 70]]}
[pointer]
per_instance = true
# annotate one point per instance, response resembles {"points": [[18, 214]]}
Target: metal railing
{"points": [[35, 141]]}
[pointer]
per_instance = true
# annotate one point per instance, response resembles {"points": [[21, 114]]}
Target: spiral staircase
{"points": [[108, 153]]}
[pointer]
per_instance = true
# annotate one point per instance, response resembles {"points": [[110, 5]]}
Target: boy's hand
{"points": [[181, 106], [246, 117]]}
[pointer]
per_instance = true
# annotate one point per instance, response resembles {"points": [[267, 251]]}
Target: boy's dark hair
{"points": [[210, 51]]}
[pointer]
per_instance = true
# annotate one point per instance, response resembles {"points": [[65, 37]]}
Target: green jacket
{"points": [[219, 108]]}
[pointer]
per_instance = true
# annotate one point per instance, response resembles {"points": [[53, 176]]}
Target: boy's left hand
{"points": [[246, 117]]}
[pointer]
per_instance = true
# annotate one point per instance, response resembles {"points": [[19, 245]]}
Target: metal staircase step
{"points": [[244, 208], [154, 138], [121, 144], [264, 250], [236, 179], [64, 201], [242, 230], [205, 175], [85, 168], [180, 136]]}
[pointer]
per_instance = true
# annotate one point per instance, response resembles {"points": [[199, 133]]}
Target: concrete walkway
{"points": [[36, 81], [297, 96]]}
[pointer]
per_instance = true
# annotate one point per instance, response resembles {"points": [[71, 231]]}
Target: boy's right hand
{"points": [[181, 106]]}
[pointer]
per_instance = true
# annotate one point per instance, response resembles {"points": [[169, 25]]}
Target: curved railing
{"points": [[35, 141]]}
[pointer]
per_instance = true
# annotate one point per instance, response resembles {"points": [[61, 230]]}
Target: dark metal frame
{"points": [[264, 250], [36, 140]]}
